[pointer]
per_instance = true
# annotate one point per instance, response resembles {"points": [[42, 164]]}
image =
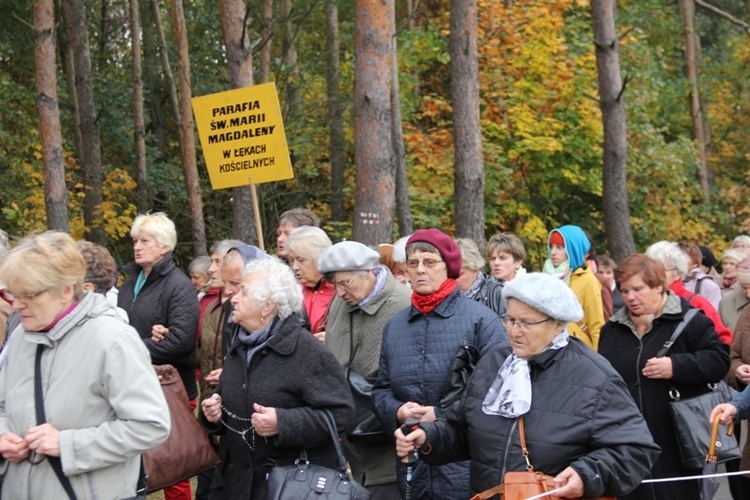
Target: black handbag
{"points": [[366, 427], [462, 367], [690, 416], [304, 480]]}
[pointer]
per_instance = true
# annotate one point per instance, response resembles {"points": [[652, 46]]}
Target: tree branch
{"points": [[726, 15]]}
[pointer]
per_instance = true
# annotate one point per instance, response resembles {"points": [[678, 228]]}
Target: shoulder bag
{"points": [[524, 484], [690, 416], [462, 367], [187, 451], [304, 480]]}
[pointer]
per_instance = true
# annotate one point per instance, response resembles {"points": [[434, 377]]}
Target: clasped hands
{"points": [[42, 439]]}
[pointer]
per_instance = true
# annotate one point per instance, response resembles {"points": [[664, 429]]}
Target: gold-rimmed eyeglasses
{"points": [[509, 323], [341, 285], [428, 263], [23, 297]]}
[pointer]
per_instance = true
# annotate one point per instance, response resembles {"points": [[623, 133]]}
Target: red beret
{"points": [[446, 246]]}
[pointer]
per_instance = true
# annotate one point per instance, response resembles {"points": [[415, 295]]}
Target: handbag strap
{"points": [[524, 449], [677, 331], [55, 462], [331, 424]]}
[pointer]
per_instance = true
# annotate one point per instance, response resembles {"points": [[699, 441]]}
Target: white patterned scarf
{"points": [[510, 394]]}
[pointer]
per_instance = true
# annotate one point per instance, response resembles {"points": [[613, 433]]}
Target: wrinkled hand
{"points": [[658, 368], [13, 447], [728, 413], [429, 414], [743, 373], [44, 439], [411, 410], [570, 483], [158, 332], [211, 408], [265, 421], [321, 336], [406, 444], [212, 378]]}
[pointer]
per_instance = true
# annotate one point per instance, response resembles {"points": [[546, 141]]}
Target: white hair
{"points": [[308, 242], [158, 226], [274, 282], [223, 246], [399, 249], [668, 253], [742, 239]]}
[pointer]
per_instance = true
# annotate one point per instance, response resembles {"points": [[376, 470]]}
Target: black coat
{"points": [[581, 416], [698, 358], [167, 298], [491, 295], [296, 374]]}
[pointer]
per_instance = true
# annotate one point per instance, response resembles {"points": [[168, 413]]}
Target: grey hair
{"points": [[471, 258], [223, 246], [308, 242], [157, 225], [742, 239], [200, 264], [668, 253], [275, 283]]}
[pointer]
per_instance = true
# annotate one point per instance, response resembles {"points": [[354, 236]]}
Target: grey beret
{"points": [[546, 294], [347, 256]]}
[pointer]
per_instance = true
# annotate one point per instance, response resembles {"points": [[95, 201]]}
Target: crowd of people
{"points": [[442, 371]]}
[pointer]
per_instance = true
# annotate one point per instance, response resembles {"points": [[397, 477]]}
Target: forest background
{"points": [[541, 123]]}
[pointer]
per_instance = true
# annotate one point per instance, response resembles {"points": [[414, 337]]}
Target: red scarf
{"points": [[427, 303], [728, 282]]}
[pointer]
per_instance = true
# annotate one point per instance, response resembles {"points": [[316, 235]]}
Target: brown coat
{"points": [[740, 355]]}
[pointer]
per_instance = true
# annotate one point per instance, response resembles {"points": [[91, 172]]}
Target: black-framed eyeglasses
{"points": [[24, 297], [35, 458], [509, 323], [345, 285], [428, 263]]}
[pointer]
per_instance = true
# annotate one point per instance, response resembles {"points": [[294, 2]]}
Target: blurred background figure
{"points": [[100, 271], [729, 261], [506, 253], [288, 222], [606, 274], [737, 299], [696, 280], [304, 246], [473, 283], [742, 243], [708, 263], [102, 403], [198, 274], [5, 306], [162, 306]]}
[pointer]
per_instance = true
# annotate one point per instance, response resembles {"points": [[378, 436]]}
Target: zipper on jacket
{"points": [[508, 444]]}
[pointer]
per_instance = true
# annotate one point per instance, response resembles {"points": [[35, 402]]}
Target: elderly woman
{"points": [[276, 382], [506, 253], [630, 341], [419, 346], [473, 283], [102, 405], [162, 306], [581, 425], [729, 260], [304, 246]]}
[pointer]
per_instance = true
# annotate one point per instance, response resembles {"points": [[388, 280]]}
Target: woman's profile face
{"points": [[529, 331], [247, 312], [305, 269], [641, 299], [427, 271], [557, 254], [147, 251]]}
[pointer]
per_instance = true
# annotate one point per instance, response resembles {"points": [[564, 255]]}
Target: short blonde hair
{"points": [[47, 261], [158, 226], [308, 242], [470, 257]]}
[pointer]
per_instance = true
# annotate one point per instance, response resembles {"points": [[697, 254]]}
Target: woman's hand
{"points": [[412, 411], [158, 332], [570, 484], [321, 336], [728, 412], [743, 373], [212, 378], [265, 422], [13, 447], [212, 408], [658, 368], [44, 439], [406, 444]]}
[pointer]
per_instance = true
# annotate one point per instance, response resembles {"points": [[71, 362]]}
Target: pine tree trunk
{"points": [[187, 135], [55, 190], [403, 208], [141, 196], [266, 30], [618, 231], [69, 72], [152, 79], [467, 133], [335, 112], [373, 156]]}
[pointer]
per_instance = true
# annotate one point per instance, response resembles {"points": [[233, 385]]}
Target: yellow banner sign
{"points": [[242, 135]]}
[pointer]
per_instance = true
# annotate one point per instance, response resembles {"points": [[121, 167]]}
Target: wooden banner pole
{"points": [[256, 210]]}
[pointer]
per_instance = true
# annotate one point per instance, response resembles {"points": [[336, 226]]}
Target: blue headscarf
{"points": [[576, 245]]}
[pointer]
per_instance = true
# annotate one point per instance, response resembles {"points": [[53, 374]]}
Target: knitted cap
{"points": [[347, 256], [445, 245], [547, 295], [249, 252], [555, 238], [743, 276], [733, 253]]}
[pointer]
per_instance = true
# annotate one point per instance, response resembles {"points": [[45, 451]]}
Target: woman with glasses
{"points": [[631, 340], [79, 400], [419, 347], [581, 425]]}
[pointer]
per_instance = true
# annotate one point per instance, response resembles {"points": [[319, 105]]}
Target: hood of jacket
{"points": [[576, 244]]}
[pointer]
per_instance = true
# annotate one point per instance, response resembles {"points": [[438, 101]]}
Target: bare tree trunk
{"points": [[467, 133], [240, 72], [412, 13], [335, 113], [692, 62], [141, 193], [69, 71], [291, 64], [187, 135], [373, 156], [103, 32], [152, 79], [171, 87], [403, 209], [620, 242], [91, 153], [55, 190], [266, 32]]}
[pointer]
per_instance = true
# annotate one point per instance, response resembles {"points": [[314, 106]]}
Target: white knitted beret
{"points": [[546, 294], [347, 256]]}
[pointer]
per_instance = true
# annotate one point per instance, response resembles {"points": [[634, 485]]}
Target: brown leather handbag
{"points": [[525, 484], [187, 451]]}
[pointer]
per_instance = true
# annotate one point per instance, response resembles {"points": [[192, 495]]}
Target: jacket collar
{"points": [[161, 268], [672, 310], [285, 338], [92, 305], [374, 305], [445, 309]]}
